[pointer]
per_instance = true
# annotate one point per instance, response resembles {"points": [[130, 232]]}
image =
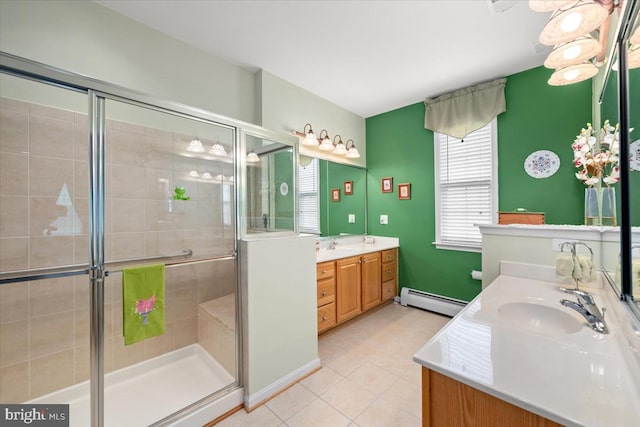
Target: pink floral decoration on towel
{"points": [[144, 307]]}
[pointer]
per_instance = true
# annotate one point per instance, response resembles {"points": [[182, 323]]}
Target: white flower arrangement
{"points": [[597, 155]]}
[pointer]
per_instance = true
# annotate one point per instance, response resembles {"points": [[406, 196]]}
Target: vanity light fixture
{"points": [[252, 157], [573, 21], [309, 137], [339, 146], [326, 144], [218, 150], [576, 51], [573, 74], [195, 146], [352, 151], [193, 174]]}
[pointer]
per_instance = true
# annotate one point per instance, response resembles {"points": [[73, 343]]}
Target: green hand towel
{"points": [[142, 302]]}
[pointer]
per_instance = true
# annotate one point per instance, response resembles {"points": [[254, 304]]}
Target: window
{"points": [[309, 197], [466, 187]]}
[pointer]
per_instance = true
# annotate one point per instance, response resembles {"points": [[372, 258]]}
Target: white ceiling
{"points": [[368, 57]]}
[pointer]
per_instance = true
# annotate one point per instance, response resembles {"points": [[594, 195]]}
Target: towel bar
{"points": [[78, 269]]}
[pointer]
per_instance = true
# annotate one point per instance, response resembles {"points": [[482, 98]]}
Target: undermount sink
{"points": [[539, 318]]}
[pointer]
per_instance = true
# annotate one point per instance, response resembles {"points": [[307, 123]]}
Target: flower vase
{"points": [[600, 206]]}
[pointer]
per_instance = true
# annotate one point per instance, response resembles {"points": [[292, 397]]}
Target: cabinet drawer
{"points": [[389, 255], [389, 290], [325, 270], [326, 291], [388, 272], [326, 317]]}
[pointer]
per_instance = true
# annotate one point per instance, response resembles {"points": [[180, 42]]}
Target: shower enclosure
{"points": [[93, 179]]}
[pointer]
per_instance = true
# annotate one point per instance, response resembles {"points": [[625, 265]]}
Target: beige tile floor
{"points": [[368, 377]]}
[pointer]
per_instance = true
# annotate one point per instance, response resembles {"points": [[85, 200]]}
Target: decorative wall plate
{"points": [[542, 164], [634, 155]]}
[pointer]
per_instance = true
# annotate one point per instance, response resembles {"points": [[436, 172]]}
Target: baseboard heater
{"points": [[426, 301]]}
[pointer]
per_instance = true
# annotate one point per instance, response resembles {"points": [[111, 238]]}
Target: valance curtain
{"points": [[461, 112]]}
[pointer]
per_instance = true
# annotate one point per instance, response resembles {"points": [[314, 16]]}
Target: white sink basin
{"points": [[539, 318]]}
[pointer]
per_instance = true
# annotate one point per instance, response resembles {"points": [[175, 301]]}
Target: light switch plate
{"points": [[352, 219], [384, 219]]}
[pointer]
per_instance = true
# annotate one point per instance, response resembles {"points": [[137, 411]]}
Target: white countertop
{"points": [[354, 245], [578, 378]]}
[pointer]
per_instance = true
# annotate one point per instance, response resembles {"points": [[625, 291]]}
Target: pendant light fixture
{"points": [[573, 21], [579, 50], [573, 74]]}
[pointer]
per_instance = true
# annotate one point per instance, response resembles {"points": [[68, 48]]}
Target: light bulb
{"points": [[571, 74], [572, 52], [571, 22]]}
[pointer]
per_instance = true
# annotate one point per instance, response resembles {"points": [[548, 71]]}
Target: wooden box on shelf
{"points": [[532, 218]]}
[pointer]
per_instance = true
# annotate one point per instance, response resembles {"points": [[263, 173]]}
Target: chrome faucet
{"points": [[332, 244], [586, 306]]}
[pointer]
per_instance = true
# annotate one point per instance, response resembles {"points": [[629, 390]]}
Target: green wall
{"points": [[538, 117]]}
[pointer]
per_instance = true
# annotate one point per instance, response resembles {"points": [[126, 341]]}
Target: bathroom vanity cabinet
{"points": [[349, 286], [446, 401]]}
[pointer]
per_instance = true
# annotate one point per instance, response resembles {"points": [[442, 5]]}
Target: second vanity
{"points": [[354, 274], [516, 356]]}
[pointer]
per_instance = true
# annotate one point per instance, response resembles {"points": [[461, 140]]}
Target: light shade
{"points": [[195, 146], [573, 74], [309, 137], [207, 175], [193, 174], [352, 151], [548, 5], [252, 157], [326, 144], [572, 22], [218, 150], [573, 52], [340, 148]]}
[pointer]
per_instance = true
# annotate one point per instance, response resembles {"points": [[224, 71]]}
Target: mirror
{"points": [[335, 213], [332, 197], [270, 186]]}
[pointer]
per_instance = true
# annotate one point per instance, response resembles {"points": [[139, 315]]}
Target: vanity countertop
{"points": [[352, 246], [550, 366]]}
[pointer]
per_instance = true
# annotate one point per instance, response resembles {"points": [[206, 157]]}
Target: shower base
{"points": [[146, 392]]}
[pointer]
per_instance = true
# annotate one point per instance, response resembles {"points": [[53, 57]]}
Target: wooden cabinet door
{"points": [[370, 280], [348, 288]]}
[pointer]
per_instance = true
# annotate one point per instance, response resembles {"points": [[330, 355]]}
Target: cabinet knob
{"points": [[324, 293], [324, 318], [389, 271], [359, 261], [324, 271]]}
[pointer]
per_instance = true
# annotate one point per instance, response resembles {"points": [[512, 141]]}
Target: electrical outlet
{"points": [[384, 219], [352, 219]]}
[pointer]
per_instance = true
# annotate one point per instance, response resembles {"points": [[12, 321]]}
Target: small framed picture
{"points": [[404, 191], [348, 187], [335, 194], [387, 185]]}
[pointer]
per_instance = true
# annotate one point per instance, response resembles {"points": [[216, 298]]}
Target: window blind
{"points": [[464, 179], [309, 197]]}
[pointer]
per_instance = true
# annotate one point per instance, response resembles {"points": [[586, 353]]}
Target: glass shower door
{"points": [[169, 191], [44, 295]]}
